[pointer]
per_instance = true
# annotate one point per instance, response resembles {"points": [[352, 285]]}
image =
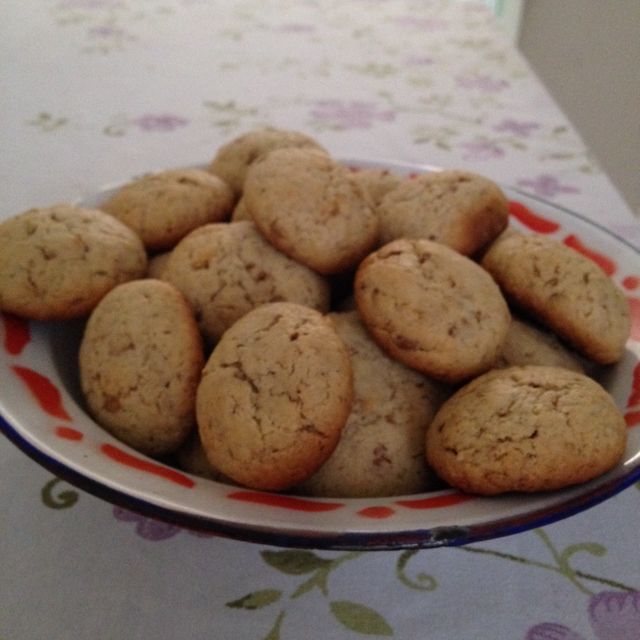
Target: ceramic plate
{"points": [[42, 414]]}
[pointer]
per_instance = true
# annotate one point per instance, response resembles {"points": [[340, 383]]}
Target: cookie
{"points": [[274, 396], [309, 207], [527, 343], [460, 209], [157, 265], [240, 212], [58, 262], [381, 449], [563, 290], [140, 361], [233, 159], [164, 207], [192, 459], [376, 183], [227, 269], [432, 308], [526, 429]]}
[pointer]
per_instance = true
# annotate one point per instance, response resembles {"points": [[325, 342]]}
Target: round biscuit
{"points": [[274, 396], [563, 290], [432, 309], [58, 262], [232, 161], [462, 210], [526, 429], [225, 270], [381, 449], [140, 362], [311, 208], [164, 207]]}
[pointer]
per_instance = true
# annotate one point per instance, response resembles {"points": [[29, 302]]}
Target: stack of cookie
{"points": [[283, 322]]}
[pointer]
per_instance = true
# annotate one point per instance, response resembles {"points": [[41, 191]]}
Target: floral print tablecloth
{"points": [[96, 91]]}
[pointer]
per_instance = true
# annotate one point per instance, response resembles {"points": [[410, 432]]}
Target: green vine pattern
{"points": [[362, 619], [47, 122], [312, 573], [54, 499], [316, 571]]}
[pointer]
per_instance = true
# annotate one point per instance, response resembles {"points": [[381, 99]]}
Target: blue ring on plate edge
{"points": [[417, 539]]}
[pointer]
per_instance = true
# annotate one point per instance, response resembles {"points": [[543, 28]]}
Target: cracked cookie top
{"points": [[226, 269], [530, 428], [140, 361], [233, 160], [565, 291], [58, 262], [164, 207], [274, 396], [310, 207], [381, 449], [460, 209], [432, 308]]}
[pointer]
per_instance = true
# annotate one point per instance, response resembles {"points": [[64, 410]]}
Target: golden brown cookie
{"points": [[432, 309], [233, 159], [58, 262], [157, 265], [227, 269], [310, 207], [376, 183], [140, 362], [526, 343], [274, 396], [240, 212], [527, 429], [192, 458], [463, 210], [381, 449], [565, 291], [164, 207]]}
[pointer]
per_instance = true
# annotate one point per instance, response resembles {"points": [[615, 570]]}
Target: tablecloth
{"points": [[97, 91]]}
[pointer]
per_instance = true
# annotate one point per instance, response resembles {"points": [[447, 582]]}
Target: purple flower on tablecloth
{"points": [[106, 31], [613, 615], [423, 24], [481, 149], [296, 27], [516, 127], [546, 186], [481, 82], [159, 122], [418, 61], [552, 631], [147, 528], [349, 115], [155, 530]]}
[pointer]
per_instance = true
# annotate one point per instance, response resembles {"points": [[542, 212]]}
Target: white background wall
{"points": [[587, 52]]}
